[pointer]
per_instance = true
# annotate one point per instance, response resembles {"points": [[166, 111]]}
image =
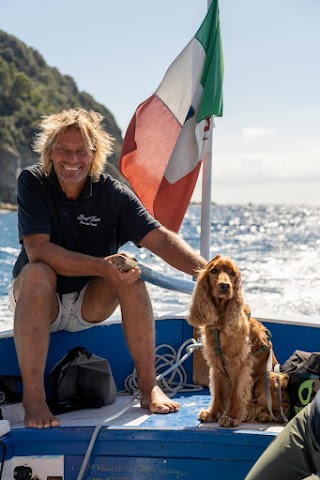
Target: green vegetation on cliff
{"points": [[29, 88]]}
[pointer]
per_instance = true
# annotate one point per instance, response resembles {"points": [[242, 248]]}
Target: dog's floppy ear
{"points": [[203, 310], [238, 292]]}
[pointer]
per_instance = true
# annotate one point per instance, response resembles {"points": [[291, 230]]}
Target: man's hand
{"points": [[115, 271], [124, 262]]}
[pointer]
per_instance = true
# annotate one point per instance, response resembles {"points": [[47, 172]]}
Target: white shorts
{"points": [[69, 316]]}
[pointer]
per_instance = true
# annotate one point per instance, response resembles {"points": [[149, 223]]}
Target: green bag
{"points": [[303, 369]]}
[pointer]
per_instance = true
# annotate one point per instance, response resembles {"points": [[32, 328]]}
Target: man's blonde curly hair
{"points": [[97, 142]]}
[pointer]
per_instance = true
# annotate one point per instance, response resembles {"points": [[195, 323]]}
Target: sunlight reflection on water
{"points": [[276, 247]]}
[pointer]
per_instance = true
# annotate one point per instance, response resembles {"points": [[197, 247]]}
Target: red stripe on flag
{"points": [[147, 148], [172, 200]]}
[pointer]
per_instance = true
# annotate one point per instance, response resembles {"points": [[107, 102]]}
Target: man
{"points": [[72, 221], [294, 454]]}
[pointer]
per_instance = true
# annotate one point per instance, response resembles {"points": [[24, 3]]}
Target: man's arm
{"points": [[74, 264], [174, 250]]}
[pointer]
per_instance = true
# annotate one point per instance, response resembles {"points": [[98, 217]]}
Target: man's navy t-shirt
{"points": [[105, 216]]}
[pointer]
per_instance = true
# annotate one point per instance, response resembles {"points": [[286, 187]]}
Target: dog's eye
{"points": [[232, 273], [214, 270]]}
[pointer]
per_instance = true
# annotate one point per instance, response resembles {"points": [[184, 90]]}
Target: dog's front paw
{"points": [[226, 422], [206, 416]]}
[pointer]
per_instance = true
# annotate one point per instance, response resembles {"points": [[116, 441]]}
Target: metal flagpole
{"points": [[206, 191], [206, 197]]}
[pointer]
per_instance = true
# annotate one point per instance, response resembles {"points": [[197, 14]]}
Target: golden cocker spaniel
{"points": [[236, 347]]}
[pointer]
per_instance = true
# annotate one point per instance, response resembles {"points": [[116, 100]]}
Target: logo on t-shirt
{"points": [[91, 220]]}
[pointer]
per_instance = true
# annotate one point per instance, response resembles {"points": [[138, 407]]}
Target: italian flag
{"points": [[166, 140]]}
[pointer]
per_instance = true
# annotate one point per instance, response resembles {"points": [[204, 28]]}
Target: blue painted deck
{"points": [[164, 447]]}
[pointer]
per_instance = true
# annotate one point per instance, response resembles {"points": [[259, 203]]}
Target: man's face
{"points": [[71, 161]]}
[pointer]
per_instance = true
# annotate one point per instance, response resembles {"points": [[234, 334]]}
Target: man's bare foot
{"points": [[38, 415], [158, 402]]}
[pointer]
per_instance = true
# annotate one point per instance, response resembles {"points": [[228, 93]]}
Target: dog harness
{"points": [[266, 345], [217, 345]]}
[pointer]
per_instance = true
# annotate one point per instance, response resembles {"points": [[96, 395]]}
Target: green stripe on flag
{"points": [[209, 36]]}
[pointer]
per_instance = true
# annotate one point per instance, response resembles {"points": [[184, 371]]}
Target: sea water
{"points": [[276, 247]]}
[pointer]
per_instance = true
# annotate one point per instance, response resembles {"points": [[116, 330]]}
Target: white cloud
{"points": [[274, 172], [257, 132], [285, 165], [302, 164]]}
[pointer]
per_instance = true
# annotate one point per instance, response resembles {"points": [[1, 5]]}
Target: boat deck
{"points": [[127, 413], [137, 445]]}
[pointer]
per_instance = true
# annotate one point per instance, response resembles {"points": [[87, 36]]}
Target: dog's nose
{"points": [[224, 286]]}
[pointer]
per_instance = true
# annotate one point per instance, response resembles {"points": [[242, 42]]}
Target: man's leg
{"points": [[36, 308], [289, 456], [100, 300]]}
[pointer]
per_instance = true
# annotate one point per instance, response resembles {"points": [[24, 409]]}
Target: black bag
{"points": [[303, 369], [81, 380], [10, 389]]}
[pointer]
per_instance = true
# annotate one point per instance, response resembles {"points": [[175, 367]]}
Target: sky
{"points": [[266, 147]]}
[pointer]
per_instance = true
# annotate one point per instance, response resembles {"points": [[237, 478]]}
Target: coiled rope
{"points": [[170, 373]]}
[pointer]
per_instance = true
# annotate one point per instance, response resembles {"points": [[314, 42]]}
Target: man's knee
{"points": [[36, 275], [138, 287], [133, 294]]}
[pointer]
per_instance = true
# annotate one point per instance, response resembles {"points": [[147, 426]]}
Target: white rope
{"points": [[96, 433], [276, 370], [267, 384], [171, 375]]}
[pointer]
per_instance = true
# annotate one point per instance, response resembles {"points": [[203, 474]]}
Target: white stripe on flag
{"points": [[182, 79], [186, 153]]}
